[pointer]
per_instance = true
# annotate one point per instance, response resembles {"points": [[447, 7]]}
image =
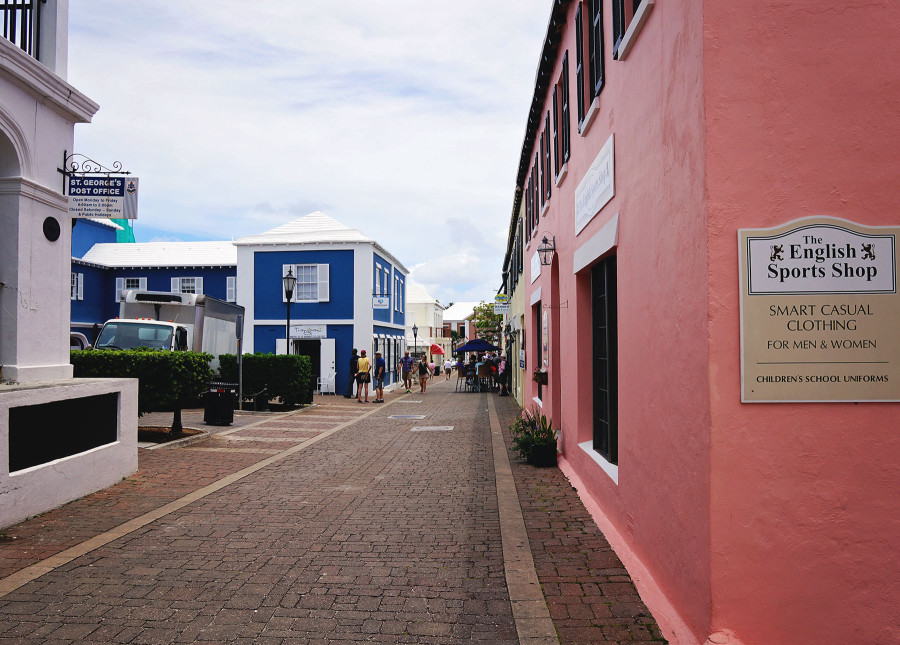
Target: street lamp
{"points": [[415, 333], [289, 282], [546, 249]]}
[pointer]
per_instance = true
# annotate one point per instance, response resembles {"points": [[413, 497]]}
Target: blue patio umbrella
{"points": [[477, 345]]}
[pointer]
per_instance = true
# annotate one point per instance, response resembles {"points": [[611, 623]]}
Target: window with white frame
{"points": [[77, 289], [187, 285], [628, 17], [561, 117], [231, 288], [387, 281], [129, 283], [312, 282], [590, 75], [396, 293], [377, 279], [400, 295]]}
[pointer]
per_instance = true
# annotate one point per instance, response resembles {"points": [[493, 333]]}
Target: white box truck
{"points": [[174, 321]]}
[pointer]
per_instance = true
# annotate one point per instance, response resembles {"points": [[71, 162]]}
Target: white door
{"points": [[326, 364], [280, 346]]}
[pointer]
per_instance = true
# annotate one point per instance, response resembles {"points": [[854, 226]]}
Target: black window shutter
{"points": [[598, 78], [547, 164], [564, 126], [618, 26], [579, 65], [556, 130]]}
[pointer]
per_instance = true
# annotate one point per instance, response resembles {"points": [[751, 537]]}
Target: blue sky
{"points": [[403, 119]]}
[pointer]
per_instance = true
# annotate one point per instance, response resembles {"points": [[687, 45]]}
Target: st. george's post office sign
{"points": [[819, 312]]}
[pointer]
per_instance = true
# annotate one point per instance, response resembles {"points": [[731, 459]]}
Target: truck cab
{"points": [[129, 333]]}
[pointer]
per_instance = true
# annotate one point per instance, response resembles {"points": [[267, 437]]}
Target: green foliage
{"points": [[532, 431], [487, 323], [288, 378], [167, 380]]}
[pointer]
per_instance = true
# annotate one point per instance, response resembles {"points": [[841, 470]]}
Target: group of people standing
{"points": [[363, 372]]}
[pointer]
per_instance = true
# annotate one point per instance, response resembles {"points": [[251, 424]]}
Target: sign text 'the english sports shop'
{"points": [[819, 312]]}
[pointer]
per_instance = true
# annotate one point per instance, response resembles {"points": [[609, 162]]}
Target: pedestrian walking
{"points": [[503, 376], [363, 376], [448, 367], [424, 372], [354, 359], [380, 368], [406, 368]]}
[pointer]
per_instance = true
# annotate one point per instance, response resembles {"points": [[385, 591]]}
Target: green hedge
{"points": [[167, 380], [288, 378]]}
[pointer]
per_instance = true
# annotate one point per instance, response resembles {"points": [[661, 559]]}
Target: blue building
{"points": [[106, 268], [350, 291]]}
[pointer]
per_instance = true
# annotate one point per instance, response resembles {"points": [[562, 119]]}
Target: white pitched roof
{"points": [[315, 227], [163, 254], [416, 293], [102, 221], [459, 311]]}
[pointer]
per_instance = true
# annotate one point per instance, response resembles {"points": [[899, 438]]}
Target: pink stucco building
{"points": [[657, 132]]}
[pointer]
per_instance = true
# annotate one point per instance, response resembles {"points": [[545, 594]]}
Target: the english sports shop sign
{"points": [[821, 258], [819, 312]]}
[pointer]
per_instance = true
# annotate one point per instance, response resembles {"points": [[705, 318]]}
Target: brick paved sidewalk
{"points": [[355, 528]]}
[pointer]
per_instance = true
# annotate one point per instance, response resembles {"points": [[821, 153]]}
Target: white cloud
{"points": [[402, 118]]}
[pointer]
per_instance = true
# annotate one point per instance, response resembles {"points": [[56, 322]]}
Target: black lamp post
{"points": [[289, 282], [415, 334]]}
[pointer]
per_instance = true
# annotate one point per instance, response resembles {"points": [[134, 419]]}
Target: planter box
{"points": [[542, 456]]}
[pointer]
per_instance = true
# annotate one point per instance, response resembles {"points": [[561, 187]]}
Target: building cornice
{"points": [[48, 88]]}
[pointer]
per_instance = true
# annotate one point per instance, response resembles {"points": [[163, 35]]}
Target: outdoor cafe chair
{"points": [[483, 377]]}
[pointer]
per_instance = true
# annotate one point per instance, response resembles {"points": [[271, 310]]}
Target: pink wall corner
{"points": [[801, 120], [653, 105]]}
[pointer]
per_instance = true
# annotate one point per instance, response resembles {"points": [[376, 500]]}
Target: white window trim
{"points": [[562, 174], [179, 286], [610, 469], [76, 290], [589, 117], [231, 288], [322, 282], [634, 28], [142, 283], [377, 279]]}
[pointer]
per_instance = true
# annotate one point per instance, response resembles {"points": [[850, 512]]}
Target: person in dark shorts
{"points": [[354, 359], [380, 368]]}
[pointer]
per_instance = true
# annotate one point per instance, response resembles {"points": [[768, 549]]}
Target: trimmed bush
{"points": [[288, 378], [166, 380]]}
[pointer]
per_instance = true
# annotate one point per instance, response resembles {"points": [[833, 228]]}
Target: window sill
{"points": [[637, 23], [562, 174], [545, 208], [610, 469], [538, 401], [589, 117]]}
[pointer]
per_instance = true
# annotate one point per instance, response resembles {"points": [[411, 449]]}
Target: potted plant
{"points": [[534, 438], [539, 376]]}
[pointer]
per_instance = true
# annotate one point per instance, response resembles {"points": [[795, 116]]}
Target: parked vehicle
{"points": [[77, 340], [174, 322]]}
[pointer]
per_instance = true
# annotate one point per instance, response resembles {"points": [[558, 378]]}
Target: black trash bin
{"points": [[218, 406]]}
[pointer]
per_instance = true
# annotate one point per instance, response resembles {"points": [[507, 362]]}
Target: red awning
{"points": [[436, 349]]}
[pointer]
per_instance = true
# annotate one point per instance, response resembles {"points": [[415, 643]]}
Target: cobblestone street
{"points": [[342, 522]]}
